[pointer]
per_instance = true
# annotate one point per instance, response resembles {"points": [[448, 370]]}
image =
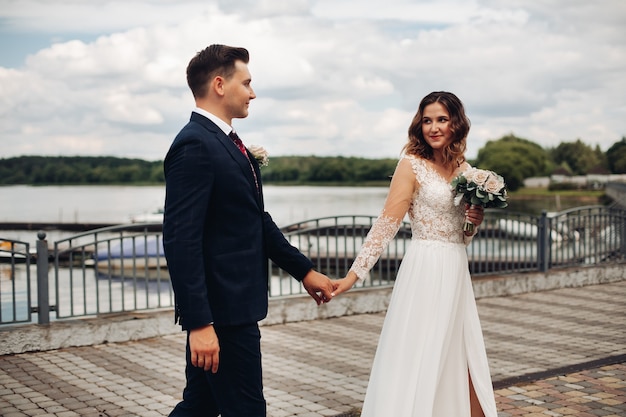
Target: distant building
{"points": [[593, 180], [537, 182]]}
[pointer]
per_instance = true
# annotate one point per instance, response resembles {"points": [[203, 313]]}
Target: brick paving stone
{"points": [[573, 398], [554, 353]]}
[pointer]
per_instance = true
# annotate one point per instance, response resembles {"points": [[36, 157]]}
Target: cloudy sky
{"points": [[332, 77]]}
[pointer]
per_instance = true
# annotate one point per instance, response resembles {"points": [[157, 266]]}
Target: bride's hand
{"points": [[344, 284], [474, 214]]}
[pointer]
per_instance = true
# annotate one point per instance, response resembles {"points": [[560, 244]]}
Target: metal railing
{"points": [[15, 294], [122, 268], [332, 243], [112, 269], [507, 242]]}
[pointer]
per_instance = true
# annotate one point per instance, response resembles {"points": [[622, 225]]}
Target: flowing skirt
{"points": [[431, 340]]}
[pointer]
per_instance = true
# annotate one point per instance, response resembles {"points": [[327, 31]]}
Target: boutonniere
{"points": [[260, 154]]}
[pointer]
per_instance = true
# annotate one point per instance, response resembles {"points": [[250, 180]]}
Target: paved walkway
{"points": [[553, 353]]}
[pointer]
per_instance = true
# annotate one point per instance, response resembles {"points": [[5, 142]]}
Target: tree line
{"points": [[512, 157], [50, 170], [517, 159], [88, 170]]}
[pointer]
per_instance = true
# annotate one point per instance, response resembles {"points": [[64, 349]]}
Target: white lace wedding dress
{"points": [[431, 338]]}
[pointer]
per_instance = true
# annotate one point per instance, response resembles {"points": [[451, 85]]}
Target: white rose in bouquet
{"points": [[479, 187]]}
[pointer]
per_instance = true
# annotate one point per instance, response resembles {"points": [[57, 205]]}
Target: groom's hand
{"points": [[319, 286], [205, 348]]}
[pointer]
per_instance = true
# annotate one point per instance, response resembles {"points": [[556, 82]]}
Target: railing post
{"points": [[542, 242], [620, 221], [43, 300]]}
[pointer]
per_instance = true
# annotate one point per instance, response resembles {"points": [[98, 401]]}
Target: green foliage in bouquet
{"points": [[480, 188]]}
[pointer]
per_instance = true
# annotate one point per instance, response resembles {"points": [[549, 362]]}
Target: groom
{"points": [[218, 239]]}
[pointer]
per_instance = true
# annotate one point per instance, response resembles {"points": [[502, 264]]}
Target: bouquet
{"points": [[479, 187], [260, 154]]}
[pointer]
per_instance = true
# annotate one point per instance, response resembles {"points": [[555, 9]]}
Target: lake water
{"points": [[117, 204]]}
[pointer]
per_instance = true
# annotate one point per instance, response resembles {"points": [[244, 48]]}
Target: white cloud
{"points": [[106, 16], [429, 11], [266, 8], [340, 77]]}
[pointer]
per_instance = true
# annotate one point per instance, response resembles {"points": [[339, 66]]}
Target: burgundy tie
{"points": [[243, 150], [238, 142]]}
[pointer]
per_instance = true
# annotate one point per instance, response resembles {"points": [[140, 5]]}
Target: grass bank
{"points": [[535, 200]]}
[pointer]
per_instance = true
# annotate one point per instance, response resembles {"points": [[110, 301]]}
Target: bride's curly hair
{"points": [[459, 125]]}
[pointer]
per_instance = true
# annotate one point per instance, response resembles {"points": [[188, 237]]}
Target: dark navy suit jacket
{"points": [[217, 236]]}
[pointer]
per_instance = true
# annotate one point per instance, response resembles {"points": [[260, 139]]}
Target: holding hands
{"points": [[344, 284], [319, 286], [322, 289]]}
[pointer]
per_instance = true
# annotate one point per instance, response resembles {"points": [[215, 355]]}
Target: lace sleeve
{"points": [[382, 232], [401, 191]]}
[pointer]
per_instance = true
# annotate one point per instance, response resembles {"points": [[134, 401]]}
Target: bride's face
{"points": [[436, 126]]}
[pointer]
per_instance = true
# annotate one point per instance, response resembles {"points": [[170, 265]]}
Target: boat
{"points": [[525, 230], [134, 256], [148, 217], [9, 254]]}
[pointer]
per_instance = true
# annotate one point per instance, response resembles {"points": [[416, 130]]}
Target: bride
{"points": [[431, 359]]}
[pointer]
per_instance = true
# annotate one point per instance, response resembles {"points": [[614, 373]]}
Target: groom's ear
{"points": [[217, 86]]}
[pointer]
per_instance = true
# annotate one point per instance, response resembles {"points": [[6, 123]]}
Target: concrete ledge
{"points": [[499, 286], [87, 331], [141, 325]]}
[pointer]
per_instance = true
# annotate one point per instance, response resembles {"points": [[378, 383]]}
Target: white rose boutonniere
{"points": [[260, 154]]}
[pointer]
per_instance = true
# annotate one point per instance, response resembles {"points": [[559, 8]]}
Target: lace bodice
{"points": [[429, 202], [432, 212]]}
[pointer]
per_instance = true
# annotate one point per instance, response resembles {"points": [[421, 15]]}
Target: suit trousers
{"points": [[236, 390]]}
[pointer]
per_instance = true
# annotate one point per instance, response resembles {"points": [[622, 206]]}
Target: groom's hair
{"points": [[212, 61]]}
